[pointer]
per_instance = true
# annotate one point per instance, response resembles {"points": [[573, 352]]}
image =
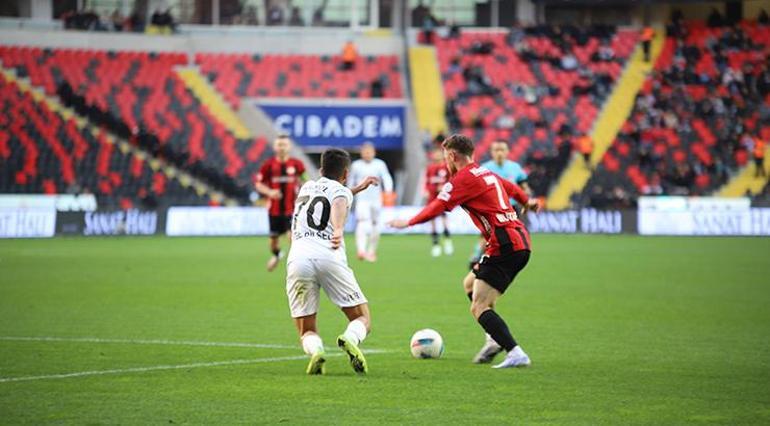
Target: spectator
{"points": [[117, 20], [349, 56], [715, 19], [585, 147], [454, 31], [569, 62], [296, 17], [762, 18], [376, 89], [136, 22], [454, 67], [428, 27], [647, 35], [275, 15], [515, 35], [759, 158]]}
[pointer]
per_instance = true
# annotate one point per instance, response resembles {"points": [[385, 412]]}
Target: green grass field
{"points": [[620, 330]]}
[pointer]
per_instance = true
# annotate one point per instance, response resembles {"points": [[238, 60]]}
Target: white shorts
{"points": [[367, 211], [306, 277]]}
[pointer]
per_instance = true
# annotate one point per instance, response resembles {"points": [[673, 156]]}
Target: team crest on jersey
{"points": [[291, 170], [442, 172]]}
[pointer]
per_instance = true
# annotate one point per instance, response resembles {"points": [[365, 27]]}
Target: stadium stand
{"points": [[144, 92], [537, 87], [300, 76], [43, 152], [696, 118]]}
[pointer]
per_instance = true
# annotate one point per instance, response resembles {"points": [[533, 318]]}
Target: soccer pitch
{"points": [[183, 330]]}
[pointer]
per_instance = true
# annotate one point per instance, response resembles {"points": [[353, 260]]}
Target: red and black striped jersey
{"points": [[436, 175], [485, 196], [285, 177]]}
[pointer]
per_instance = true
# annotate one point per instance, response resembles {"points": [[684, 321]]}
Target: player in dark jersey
{"points": [[279, 180], [436, 175], [485, 196]]}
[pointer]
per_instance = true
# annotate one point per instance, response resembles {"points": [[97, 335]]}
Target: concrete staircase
{"points": [[211, 98], [744, 182], [427, 90], [613, 114]]}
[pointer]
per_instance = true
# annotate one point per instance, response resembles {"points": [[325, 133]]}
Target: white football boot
{"points": [[515, 358], [487, 352], [435, 251], [449, 248]]}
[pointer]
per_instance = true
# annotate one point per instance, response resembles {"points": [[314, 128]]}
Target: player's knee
{"points": [[478, 308]]}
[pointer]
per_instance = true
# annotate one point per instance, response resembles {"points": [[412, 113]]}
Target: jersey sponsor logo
{"points": [[507, 217]]}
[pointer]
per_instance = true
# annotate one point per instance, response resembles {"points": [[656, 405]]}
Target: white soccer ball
{"points": [[427, 343]]}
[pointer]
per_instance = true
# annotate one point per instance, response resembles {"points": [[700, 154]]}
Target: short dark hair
{"points": [[334, 161], [459, 143]]}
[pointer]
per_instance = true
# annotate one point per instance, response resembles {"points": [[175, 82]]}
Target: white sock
{"points": [[356, 332], [374, 238], [362, 235], [312, 343]]}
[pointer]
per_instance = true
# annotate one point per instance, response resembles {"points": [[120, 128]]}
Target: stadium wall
{"points": [[678, 216], [196, 38]]}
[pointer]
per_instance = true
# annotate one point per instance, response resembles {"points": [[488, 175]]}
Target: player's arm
{"points": [[367, 182], [338, 215], [453, 194], [387, 179], [434, 209], [262, 189], [519, 195]]}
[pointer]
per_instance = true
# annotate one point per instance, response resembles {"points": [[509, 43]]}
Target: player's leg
{"points": [[363, 228], [490, 349], [435, 251], [311, 343], [449, 248], [482, 308], [339, 283], [355, 333], [279, 225], [493, 276], [302, 291], [374, 235]]}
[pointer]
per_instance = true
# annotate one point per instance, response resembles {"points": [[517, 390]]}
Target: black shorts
{"points": [[279, 225], [499, 271]]}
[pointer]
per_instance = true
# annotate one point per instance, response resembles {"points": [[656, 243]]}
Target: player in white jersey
{"points": [[317, 261], [369, 203]]}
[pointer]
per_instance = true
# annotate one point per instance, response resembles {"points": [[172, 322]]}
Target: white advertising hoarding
{"points": [[701, 216], [219, 221], [32, 222]]}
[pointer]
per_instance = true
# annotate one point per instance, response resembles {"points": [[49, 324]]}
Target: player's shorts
{"points": [[499, 271], [306, 277], [279, 225], [368, 211]]}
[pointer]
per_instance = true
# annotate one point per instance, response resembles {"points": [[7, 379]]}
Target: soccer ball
{"points": [[427, 343]]}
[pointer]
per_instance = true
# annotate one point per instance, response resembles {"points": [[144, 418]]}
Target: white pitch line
{"points": [[145, 342], [153, 368], [162, 342]]}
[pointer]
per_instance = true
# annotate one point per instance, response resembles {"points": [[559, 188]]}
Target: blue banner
{"points": [[343, 126]]}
